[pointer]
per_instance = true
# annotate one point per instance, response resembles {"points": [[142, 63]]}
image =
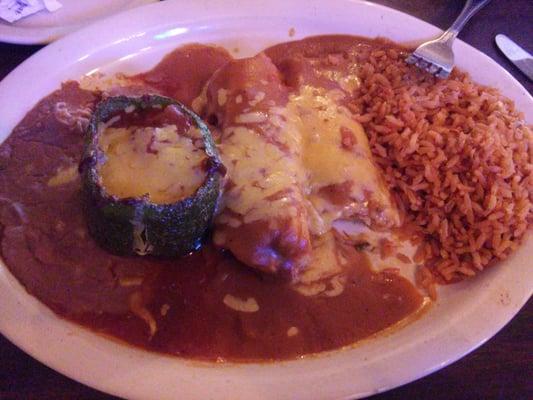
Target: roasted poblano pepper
{"points": [[135, 225]]}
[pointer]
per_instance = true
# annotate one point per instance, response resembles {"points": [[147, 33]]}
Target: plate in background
{"points": [[45, 27]]}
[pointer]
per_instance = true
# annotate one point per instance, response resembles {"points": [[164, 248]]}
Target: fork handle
{"points": [[471, 7]]}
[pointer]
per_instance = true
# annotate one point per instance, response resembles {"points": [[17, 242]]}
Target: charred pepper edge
{"points": [[173, 229]]}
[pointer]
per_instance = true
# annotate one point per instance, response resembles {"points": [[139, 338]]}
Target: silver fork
{"points": [[436, 56]]}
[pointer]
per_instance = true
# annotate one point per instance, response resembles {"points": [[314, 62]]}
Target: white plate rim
{"points": [[32, 35], [18, 328]]}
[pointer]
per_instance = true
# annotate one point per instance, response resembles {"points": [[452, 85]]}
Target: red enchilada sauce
{"points": [[171, 306]]}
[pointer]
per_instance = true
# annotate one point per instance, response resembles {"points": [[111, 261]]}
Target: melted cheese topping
{"points": [[311, 144], [347, 81], [335, 152], [324, 273], [157, 162], [264, 178], [100, 82], [64, 175], [247, 306], [327, 160], [309, 159]]}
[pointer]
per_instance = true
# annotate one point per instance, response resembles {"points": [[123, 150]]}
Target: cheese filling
{"points": [[156, 162]]}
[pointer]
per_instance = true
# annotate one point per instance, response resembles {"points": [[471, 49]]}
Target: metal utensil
{"points": [[436, 56], [516, 54]]}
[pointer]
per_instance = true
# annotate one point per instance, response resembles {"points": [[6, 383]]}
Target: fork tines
{"points": [[427, 66]]}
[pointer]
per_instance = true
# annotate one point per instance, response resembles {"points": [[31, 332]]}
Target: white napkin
{"points": [[13, 10]]}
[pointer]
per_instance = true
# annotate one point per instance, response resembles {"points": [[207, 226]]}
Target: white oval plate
{"points": [[465, 316], [45, 27]]}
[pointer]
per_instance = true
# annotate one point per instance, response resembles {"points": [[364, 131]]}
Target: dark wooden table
{"points": [[500, 369]]}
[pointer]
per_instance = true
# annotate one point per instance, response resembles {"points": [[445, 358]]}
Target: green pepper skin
{"points": [[166, 230]]}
